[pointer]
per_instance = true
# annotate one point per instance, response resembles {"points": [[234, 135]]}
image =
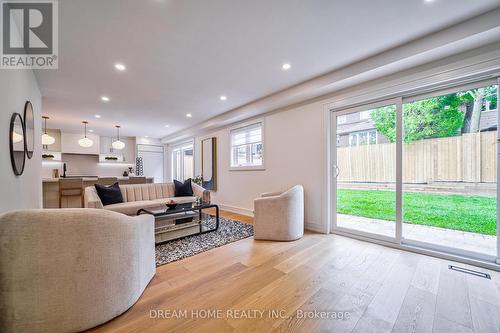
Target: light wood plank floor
{"points": [[260, 286]]}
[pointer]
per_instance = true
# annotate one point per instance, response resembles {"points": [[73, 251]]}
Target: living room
{"points": [[250, 166]]}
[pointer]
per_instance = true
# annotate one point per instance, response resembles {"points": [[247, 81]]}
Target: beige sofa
{"points": [[280, 215], [67, 270], [147, 196]]}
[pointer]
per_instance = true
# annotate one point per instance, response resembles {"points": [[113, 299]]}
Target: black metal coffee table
{"points": [[182, 221]]}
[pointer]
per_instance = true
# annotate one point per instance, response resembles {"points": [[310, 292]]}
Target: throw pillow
{"points": [[183, 189], [109, 194]]}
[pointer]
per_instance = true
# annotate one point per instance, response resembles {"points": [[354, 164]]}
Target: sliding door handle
{"points": [[335, 171]]}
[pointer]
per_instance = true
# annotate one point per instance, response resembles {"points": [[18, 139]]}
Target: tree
{"points": [[436, 117], [476, 97], [385, 121], [429, 118]]}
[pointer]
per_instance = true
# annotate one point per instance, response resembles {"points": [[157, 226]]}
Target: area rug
{"points": [[229, 231]]}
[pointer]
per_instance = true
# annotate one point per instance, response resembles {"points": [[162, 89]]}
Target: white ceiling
{"points": [[182, 55]]}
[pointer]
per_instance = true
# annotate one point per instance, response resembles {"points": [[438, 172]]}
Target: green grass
{"points": [[458, 212]]}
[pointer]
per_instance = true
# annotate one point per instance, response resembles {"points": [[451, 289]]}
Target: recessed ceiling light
{"points": [[91, 130], [166, 125], [97, 116], [105, 98], [286, 66], [223, 98], [189, 115], [147, 136], [120, 67]]}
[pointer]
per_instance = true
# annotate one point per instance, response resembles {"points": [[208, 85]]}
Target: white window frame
{"points": [[353, 137], [488, 107], [180, 147], [342, 119], [230, 147], [356, 135], [398, 240], [363, 115]]}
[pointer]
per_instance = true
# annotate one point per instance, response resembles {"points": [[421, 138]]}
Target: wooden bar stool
{"points": [[72, 187], [106, 180], [137, 180]]}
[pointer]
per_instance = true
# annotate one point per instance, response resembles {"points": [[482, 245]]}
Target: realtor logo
{"points": [[29, 33]]}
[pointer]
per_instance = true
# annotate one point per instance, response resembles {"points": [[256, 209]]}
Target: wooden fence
{"points": [[468, 158]]}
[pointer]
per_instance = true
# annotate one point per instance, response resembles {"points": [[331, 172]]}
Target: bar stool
{"points": [[72, 187], [137, 180], [106, 180]]}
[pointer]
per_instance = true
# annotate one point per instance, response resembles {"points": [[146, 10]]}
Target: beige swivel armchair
{"points": [[280, 216], [67, 270]]}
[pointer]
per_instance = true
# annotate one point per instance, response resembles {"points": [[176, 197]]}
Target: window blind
{"points": [[246, 135]]}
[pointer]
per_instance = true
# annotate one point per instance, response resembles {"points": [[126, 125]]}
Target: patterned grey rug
{"points": [[229, 231]]}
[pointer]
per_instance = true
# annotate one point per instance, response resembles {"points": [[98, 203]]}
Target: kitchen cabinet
{"points": [[69, 144], [105, 146], [125, 155]]}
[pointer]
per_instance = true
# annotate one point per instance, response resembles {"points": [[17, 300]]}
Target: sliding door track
{"points": [[469, 271]]}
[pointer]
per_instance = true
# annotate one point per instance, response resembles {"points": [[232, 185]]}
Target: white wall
{"points": [[294, 154], [296, 137], [25, 191], [141, 140]]}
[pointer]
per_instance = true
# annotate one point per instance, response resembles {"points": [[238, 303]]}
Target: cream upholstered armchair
{"points": [[280, 216], [67, 270]]}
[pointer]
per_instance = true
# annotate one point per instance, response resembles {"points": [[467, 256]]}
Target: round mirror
{"points": [[17, 145], [29, 129]]}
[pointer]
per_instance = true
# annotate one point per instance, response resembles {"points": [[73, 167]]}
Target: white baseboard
{"points": [[314, 227], [237, 210], [247, 212]]}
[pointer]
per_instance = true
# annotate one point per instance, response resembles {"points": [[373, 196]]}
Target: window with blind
{"points": [[247, 147]]}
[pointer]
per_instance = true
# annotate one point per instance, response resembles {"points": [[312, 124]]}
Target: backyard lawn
{"points": [[466, 213]]}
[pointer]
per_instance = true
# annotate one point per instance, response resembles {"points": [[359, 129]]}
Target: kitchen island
{"points": [[51, 191]]}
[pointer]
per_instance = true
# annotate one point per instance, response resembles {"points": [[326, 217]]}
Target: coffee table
{"points": [[182, 221]]}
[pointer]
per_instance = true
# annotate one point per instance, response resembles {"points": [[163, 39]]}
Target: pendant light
{"points": [[85, 142], [118, 144], [47, 139]]}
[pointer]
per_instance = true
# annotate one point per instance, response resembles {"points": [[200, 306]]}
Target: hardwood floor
{"points": [[261, 286]]}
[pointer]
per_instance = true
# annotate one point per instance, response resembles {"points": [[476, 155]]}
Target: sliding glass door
{"points": [[450, 170], [183, 161], [420, 170], [365, 169]]}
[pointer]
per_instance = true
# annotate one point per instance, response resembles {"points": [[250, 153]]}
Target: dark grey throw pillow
{"points": [[183, 189], [109, 194]]}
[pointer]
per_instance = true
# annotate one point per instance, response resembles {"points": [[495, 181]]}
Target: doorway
{"points": [[420, 170]]}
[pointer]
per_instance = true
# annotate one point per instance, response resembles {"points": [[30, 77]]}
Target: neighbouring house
{"points": [[357, 129]]}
